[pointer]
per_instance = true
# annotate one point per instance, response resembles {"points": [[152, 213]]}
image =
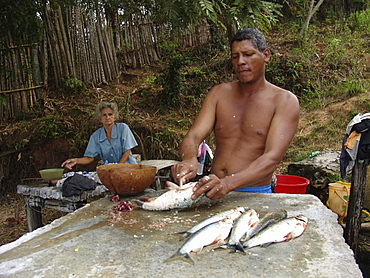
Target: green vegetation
{"points": [[331, 65], [328, 67], [49, 127], [73, 86]]}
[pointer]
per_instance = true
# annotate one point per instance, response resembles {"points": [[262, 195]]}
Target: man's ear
{"points": [[267, 54]]}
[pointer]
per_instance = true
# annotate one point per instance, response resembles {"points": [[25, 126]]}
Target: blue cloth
{"points": [[121, 140], [256, 189]]}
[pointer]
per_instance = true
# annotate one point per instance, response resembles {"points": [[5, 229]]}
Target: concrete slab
{"points": [[92, 242]]}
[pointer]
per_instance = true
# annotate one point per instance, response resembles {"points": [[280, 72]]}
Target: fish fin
{"points": [[198, 250], [171, 185], [180, 256], [137, 203], [222, 247], [289, 236], [221, 242], [264, 245], [184, 235]]}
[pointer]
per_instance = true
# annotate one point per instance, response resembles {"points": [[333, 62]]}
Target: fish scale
{"points": [[212, 233], [241, 226], [284, 230], [230, 213], [175, 198]]}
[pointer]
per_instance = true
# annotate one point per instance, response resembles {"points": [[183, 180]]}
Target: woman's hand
{"points": [[69, 163], [214, 188]]}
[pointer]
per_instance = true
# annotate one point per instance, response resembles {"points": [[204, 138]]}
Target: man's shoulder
{"points": [[226, 85], [281, 92], [223, 88]]}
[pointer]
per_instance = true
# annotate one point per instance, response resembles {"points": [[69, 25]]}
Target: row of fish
{"points": [[244, 230]]}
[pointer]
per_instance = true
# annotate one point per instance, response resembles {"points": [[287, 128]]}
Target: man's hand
{"points": [[185, 170], [214, 188]]}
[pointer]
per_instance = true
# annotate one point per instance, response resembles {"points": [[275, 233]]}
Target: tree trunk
{"points": [[311, 12]]}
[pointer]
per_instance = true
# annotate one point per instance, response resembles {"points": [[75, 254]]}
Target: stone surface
{"points": [[322, 169], [44, 191], [91, 243]]}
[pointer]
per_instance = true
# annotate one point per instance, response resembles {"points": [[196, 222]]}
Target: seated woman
{"points": [[112, 142]]}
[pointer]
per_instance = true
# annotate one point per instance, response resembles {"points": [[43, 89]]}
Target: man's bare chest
{"points": [[238, 119]]}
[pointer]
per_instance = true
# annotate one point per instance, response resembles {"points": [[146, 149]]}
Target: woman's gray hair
{"points": [[102, 105]]}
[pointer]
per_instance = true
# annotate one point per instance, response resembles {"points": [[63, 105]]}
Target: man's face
{"points": [[248, 63]]}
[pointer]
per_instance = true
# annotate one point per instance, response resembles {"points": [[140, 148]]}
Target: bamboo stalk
{"points": [[58, 33], [21, 89]]}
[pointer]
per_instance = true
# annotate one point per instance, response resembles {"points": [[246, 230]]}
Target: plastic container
{"points": [[51, 174], [291, 184], [338, 197]]}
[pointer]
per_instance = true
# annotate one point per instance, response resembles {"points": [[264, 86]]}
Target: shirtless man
{"points": [[253, 120]]}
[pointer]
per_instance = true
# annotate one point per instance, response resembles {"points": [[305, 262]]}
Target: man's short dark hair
{"points": [[255, 35]]}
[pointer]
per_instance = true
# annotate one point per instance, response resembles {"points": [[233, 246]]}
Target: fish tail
{"points": [[236, 247], [239, 247], [180, 256], [137, 203], [246, 246]]}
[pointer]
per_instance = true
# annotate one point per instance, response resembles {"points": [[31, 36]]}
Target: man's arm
{"points": [[199, 131]]}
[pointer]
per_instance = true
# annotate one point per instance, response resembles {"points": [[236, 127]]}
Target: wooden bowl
{"points": [[126, 179]]}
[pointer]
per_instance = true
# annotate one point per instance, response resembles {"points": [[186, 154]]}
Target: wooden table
{"points": [[38, 194]]}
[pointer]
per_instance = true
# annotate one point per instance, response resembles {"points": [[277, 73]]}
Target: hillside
{"points": [[329, 79]]}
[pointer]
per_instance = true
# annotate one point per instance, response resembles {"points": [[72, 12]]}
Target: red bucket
{"points": [[291, 184]]}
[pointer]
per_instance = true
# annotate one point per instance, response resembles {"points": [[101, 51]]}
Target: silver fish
{"points": [[230, 213], [241, 226], [284, 230], [268, 219], [177, 197], [212, 233]]}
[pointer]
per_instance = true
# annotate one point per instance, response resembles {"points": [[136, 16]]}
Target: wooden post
{"points": [[356, 199]]}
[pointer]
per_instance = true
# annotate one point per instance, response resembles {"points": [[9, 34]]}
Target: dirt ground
{"points": [[12, 207]]}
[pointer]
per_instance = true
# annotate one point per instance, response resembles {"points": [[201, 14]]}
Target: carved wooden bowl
{"points": [[126, 179]]}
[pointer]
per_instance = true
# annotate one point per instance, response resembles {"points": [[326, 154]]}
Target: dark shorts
{"points": [[256, 189]]}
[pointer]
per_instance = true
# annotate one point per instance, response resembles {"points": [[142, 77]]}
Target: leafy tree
{"points": [[313, 7], [20, 22], [227, 14]]}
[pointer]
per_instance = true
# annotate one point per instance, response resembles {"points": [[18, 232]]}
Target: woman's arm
{"points": [[69, 163], [124, 156]]}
